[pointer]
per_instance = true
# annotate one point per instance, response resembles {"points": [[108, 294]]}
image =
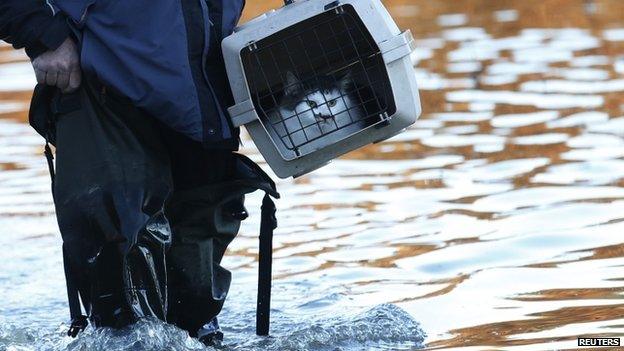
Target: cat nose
{"points": [[325, 117]]}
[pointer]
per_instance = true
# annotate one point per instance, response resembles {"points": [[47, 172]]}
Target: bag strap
{"points": [[78, 320], [268, 224]]}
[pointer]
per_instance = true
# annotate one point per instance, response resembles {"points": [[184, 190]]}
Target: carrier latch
{"points": [[397, 47], [243, 113]]}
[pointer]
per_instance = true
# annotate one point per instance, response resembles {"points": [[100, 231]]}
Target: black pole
{"points": [[267, 225]]}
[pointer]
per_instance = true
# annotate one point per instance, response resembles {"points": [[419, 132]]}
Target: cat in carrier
{"points": [[351, 81], [328, 107]]}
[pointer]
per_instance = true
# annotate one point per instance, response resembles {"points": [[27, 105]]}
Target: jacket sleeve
{"points": [[33, 25]]}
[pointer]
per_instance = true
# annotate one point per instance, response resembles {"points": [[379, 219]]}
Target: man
{"points": [[148, 190]]}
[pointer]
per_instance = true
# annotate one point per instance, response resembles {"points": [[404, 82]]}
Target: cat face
{"points": [[308, 113], [329, 104], [326, 104]]}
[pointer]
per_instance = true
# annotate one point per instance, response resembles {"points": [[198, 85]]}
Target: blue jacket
{"points": [[164, 56]]}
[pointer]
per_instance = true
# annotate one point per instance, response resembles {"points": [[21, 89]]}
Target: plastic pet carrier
{"points": [[316, 79]]}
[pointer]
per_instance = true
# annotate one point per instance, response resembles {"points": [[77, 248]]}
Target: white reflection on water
{"points": [[17, 77], [574, 87], [506, 15], [453, 20], [615, 34], [520, 120], [590, 118], [545, 101], [591, 172]]}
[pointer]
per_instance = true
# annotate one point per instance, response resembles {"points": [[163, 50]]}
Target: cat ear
{"points": [[346, 83], [293, 85]]}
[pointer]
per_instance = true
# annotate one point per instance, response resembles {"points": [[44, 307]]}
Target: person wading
{"points": [[147, 185]]}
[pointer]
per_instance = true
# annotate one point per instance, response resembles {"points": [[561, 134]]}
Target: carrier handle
{"points": [[328, 7], [397, 47]]}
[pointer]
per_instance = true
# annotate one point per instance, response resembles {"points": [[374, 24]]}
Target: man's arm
{"points": [[31, 24]]}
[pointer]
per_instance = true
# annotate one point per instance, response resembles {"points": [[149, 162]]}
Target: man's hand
{"points": [[60, 68]]}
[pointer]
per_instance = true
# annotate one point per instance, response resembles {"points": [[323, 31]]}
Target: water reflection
{"points": [[494, 222]]}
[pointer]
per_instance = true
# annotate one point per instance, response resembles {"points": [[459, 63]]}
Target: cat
{"points": [[328, 109]]}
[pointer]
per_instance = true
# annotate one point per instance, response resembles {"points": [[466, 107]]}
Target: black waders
{"points": [[145, 214]]}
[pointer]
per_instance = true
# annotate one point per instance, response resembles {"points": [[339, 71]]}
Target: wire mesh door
{"points": [[318, 82]]}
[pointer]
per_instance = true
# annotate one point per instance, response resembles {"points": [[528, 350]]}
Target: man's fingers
{"points": [[51, 77], [41, 76], [62, 80], [75, 79], [52, 67]]}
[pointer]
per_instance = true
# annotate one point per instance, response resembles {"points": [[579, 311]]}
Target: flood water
{"points": [[495, 223]]}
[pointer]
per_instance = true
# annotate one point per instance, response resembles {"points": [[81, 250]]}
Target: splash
{"points": [[146, 335], [382, 327], [385, 326]]}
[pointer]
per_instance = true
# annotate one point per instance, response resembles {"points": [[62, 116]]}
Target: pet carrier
{"points": [[319, 78]]}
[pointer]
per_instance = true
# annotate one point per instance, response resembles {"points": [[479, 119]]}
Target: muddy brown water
{"points": [[496, 222]]}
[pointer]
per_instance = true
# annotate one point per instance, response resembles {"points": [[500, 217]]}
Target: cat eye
{"points": [[312, 104], [332, 103]]}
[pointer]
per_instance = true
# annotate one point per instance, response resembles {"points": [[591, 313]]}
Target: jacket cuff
{"points": [[56, 33], [35, 50]]}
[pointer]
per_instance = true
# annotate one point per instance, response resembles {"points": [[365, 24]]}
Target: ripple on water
{"points": [[545, 101], [12, 106], [594, 153], [590, 140], [580, 119], [615, 34], [544, 196], [612, 126], [465, 33], [573, 87], [589, 61], [525, 119], [453, 20], [590, 74], [506, 15], [541, 139], [599, 172]]}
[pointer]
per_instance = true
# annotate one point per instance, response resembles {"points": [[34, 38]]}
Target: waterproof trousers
{"points": [[145, 214]]}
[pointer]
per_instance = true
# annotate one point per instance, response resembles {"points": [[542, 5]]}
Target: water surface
{"points": [[494, 223]]}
